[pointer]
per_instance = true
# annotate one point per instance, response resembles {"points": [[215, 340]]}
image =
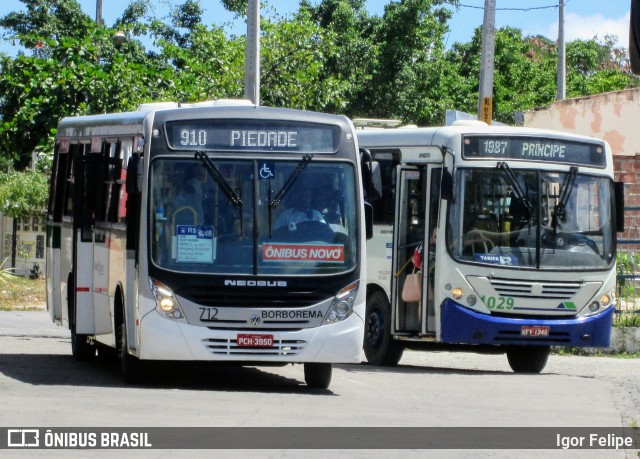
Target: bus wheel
{"points": [[317, 375], [81, 348], [131, 366], [379, 346], [528, 359]]}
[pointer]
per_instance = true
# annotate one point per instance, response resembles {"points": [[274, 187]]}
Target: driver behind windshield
{"points": [[300, 210]]}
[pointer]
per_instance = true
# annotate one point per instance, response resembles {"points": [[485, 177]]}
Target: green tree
{"points": [[596, 66], [525, 71], [410, 80], [75, 70], [22, 195], [351, 61], [46, 20], [294, 55]]}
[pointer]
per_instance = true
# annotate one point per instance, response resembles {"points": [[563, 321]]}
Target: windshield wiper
{"points": [[515, 186], [219, 178], [560, 209], [275, 202]]}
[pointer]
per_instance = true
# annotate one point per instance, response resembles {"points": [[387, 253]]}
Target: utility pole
{"points": [[98, 13], [252, 54], [485, 96], [561, 94]]}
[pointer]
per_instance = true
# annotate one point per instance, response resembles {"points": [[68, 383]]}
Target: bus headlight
{"points": [[342, 305], [166, 302], [605, 300], [457, 293]]}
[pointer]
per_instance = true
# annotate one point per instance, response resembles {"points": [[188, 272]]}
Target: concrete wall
{"points": [[612, 116], [30, 244]]}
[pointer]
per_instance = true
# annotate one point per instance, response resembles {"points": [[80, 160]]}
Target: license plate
{"points": [[255, 340], [534, 330]]}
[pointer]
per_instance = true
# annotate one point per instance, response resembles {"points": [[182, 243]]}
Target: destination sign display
{"points": [[243, 135], [534, 149]]}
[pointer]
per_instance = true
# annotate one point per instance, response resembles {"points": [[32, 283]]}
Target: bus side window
{"points": [[384, 209], [75, 152], [125, 153], [112, 195], [58, 181], [100, 209], [90, 191]]}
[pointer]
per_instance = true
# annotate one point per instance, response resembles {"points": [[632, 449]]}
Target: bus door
{"points": [[83, 220], [99, 169], [418, 195]]}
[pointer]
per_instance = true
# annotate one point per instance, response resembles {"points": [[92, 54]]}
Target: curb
{"points": [[624, 339]]}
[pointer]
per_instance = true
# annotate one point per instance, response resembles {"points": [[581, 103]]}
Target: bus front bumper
{"points": [[464, 326], [165, 339]]}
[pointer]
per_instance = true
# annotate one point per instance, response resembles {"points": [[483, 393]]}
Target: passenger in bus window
{"points": [[300, 211], [332, 206]]}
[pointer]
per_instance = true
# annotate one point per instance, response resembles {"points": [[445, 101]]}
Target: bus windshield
{"points": [[218, 216], [532, 219]]}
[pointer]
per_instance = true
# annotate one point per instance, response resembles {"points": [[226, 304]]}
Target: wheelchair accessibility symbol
{"points": [[266, 170]]}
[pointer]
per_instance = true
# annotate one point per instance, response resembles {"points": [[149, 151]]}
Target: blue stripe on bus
{"points": [[464, 326]]}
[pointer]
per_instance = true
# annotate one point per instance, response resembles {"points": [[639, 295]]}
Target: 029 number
{"points": [[500, 302]]}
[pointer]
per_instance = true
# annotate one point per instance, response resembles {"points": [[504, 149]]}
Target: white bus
{"points": [[517, 229], [165, 239]]}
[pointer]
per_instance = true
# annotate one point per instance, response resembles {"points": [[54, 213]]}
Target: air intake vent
{"points": [[549, 290], [230, 347]]}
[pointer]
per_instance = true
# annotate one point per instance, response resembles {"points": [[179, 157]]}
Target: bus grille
{"points": [[264, 298], [548, 290], [285, 347]]}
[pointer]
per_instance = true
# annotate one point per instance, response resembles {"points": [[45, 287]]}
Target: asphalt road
{"points": [[40, 385]]}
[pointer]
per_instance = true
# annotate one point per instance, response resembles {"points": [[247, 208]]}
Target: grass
{"points": [[18, 292], [627, 319], [592, 353]]}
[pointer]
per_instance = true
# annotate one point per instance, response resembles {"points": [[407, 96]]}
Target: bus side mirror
{"points": [[368, 218], [634, 37], [133, 184], [446, 185], [619, 196]]}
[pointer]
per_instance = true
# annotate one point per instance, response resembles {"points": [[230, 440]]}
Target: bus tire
{"points": [[528, 359], [132, 370], [81, 349], [318, 375], [379, 346]]}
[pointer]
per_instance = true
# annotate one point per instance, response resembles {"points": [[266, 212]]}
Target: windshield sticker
{"points": [[266, 171], [195, 244], [316, 253], [505, 260]]}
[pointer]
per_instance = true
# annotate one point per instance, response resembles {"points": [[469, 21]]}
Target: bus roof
{"points": [[132, 123], [439, 135]]}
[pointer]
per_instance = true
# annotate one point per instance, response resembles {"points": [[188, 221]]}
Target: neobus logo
{"points": [[253, 283]]}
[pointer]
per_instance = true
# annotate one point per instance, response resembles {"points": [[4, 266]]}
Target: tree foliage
{"points": [[23, 193], [330, 55]]}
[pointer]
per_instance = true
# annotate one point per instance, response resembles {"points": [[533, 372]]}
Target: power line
{"points": [[548, 7]]}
